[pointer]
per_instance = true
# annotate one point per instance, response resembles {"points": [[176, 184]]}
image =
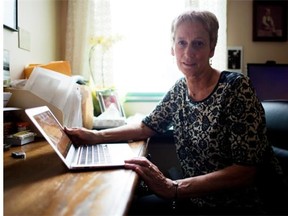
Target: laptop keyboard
{"points": [[93, 154]]}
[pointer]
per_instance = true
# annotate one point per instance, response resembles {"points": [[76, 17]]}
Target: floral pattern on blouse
{"points": [[228, 127]]}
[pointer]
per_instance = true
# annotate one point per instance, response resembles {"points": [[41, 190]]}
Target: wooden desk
{"points": [[42, 185]]}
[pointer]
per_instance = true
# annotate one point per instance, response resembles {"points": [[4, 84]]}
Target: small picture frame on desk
{"points": [[269, 20], [109, 98]]}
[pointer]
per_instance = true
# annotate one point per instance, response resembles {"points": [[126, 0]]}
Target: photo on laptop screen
{"points": [[51, 128]]}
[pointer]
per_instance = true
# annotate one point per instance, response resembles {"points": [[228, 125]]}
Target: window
{"points": [[142, 60]]}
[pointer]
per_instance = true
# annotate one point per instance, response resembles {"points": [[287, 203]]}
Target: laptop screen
{"points": [[54, 131]]}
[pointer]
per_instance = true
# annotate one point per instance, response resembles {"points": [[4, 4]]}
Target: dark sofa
{"points": [[276, 113]]}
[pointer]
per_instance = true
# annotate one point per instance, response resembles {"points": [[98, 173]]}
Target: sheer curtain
{"points": [[141, 61], [85, 20], [76, 36]]}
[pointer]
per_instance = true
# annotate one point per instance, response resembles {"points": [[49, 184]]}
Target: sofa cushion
{"points": [[276, 113]]}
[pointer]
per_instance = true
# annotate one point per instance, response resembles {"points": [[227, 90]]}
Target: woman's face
{"points": [[192, 48]]}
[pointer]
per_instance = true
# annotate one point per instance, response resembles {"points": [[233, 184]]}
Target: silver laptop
{"points": [[83, 157]]}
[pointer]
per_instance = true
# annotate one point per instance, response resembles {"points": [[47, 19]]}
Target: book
{"points": [[20, 138]]}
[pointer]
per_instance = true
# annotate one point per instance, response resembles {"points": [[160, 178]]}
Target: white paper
{"points": [[51, 86], [59, 90]]}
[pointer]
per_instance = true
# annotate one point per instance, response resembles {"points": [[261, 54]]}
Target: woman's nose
{"points": [[189, 51]]}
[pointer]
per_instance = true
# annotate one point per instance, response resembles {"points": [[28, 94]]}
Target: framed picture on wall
{"points": [[10, 17], [269, 20], [235, 56]]}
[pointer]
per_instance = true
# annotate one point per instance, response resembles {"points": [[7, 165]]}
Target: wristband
{"points": [[175, 184]]}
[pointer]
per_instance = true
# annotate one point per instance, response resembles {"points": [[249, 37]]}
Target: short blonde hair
{"points": [[206, 18]]}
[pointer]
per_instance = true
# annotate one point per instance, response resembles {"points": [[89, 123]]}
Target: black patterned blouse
{"points": [[228, 127]]}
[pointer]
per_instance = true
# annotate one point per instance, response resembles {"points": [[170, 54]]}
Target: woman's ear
{"points": [[212, 53]]}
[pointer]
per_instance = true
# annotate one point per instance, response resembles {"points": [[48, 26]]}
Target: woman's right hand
{"points": [[81, 136]]}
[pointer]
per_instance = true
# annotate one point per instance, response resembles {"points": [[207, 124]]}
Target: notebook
{"points": [[102, 155]]}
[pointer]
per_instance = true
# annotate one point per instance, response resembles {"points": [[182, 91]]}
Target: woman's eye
{"points": [[181, 43], [198, 44]]}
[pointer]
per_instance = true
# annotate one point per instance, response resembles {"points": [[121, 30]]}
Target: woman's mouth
{"points": [[188, 64]]}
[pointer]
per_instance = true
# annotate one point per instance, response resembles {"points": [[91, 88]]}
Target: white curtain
{"points": [[76, 36], [86, 19], [141, 60]]}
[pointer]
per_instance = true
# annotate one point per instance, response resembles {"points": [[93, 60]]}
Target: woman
{"points": [[219, 130]]}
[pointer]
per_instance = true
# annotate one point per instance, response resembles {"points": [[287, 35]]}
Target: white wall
{"points": [[39, 18]]}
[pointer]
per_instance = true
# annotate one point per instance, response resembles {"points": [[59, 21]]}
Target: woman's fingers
{"points": [[142, 166]]}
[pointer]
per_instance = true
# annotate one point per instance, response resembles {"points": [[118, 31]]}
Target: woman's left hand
{"points": [[152, 176]]}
